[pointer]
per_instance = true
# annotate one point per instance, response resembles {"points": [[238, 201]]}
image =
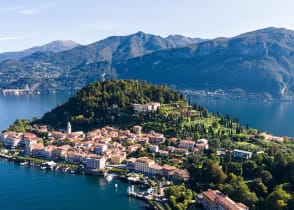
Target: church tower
{"points": [[68, 128]]}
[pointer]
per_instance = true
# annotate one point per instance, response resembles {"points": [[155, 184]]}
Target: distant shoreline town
{"points": [[18, 92]]}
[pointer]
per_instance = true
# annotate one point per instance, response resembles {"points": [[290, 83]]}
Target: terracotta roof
{"points": [[168, 167], [217, 197], [187, 142], [145, 159], [155, 166]]}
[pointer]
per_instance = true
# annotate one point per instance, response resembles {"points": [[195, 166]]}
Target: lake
{"points": [[25, 188], [27, 106], [29, 188], [272, 116], [275, 117]]}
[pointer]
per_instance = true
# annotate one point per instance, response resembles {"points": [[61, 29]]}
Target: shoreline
{"points": [[147, 202], [199, 94]]}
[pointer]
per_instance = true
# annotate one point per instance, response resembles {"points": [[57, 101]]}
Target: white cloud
{"points": [[7, 38], [32, 11], [26, 10]]}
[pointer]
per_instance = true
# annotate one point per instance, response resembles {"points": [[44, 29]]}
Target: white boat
{"points": [[43, 167], [115, 185], [23, 163], [109, 177]]}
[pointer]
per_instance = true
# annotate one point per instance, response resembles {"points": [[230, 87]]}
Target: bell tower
{"points": [[68, 128]]}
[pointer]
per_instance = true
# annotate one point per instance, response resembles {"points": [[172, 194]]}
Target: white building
{"points": [[74, 157], [11, 139], [237, 153], [95, 162], [100, 149], [137, 129], [187, 144], [149, 107], [202, 141], [142, 165], [29, 139], [154, 148]]}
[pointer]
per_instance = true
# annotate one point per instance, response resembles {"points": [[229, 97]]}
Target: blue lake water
{"points": [[29, 188], [25, 188], [27, 106], [274, 117]]}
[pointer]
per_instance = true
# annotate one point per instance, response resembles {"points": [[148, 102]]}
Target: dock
{"points": [[5, 156]]}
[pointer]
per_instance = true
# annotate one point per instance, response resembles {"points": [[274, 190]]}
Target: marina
{"points": [[70, 191]]}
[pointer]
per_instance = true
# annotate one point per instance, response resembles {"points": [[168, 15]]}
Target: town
{"points": [[97, 151]]}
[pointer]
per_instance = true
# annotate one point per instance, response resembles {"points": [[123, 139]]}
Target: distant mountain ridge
{"points": [[54, 46], [32, 69], [259, 62], [180, 40]]}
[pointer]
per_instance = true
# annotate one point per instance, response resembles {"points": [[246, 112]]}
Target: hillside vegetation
{"points": [[108, 103], [254, 64], [263, 181]]}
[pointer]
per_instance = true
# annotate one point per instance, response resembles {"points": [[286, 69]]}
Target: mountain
{"points": [[255, 63], [109, 49], [180, 40], [54, 46], [40, 69]]}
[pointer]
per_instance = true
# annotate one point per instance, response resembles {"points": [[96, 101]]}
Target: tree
{"points": [[158, 187], [179, 197], [215, 125], [213, 172], [236, 188], [215, 143], [234, 167], [266, 176], [278, 199], [280, 164], [249, 167], [197, 136], [260, 189]]}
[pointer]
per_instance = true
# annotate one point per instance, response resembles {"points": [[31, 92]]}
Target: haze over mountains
{"points": [[54, 46], [43, 70], [259, 62]]}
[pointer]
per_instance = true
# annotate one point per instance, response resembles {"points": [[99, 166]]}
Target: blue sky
{"points": [[26, 23]]}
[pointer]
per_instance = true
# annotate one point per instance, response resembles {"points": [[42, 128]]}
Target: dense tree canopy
{"points": [[108, 103]]}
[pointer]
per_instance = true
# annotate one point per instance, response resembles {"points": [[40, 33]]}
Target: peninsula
{"points": [[151, 134]]}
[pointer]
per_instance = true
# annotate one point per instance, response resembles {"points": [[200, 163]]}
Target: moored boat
{"points": [[23, 163]]}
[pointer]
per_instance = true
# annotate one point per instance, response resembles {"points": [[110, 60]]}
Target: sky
{"points": [[27, 23]]}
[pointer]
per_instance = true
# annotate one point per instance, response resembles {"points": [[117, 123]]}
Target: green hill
{"points": [[257, 182], [112, 103], [108, 103]]}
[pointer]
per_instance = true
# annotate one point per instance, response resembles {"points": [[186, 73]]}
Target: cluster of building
{"points": [[147, 166], [92, 149], [215, 200], [109, 145], [97, 148]]}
